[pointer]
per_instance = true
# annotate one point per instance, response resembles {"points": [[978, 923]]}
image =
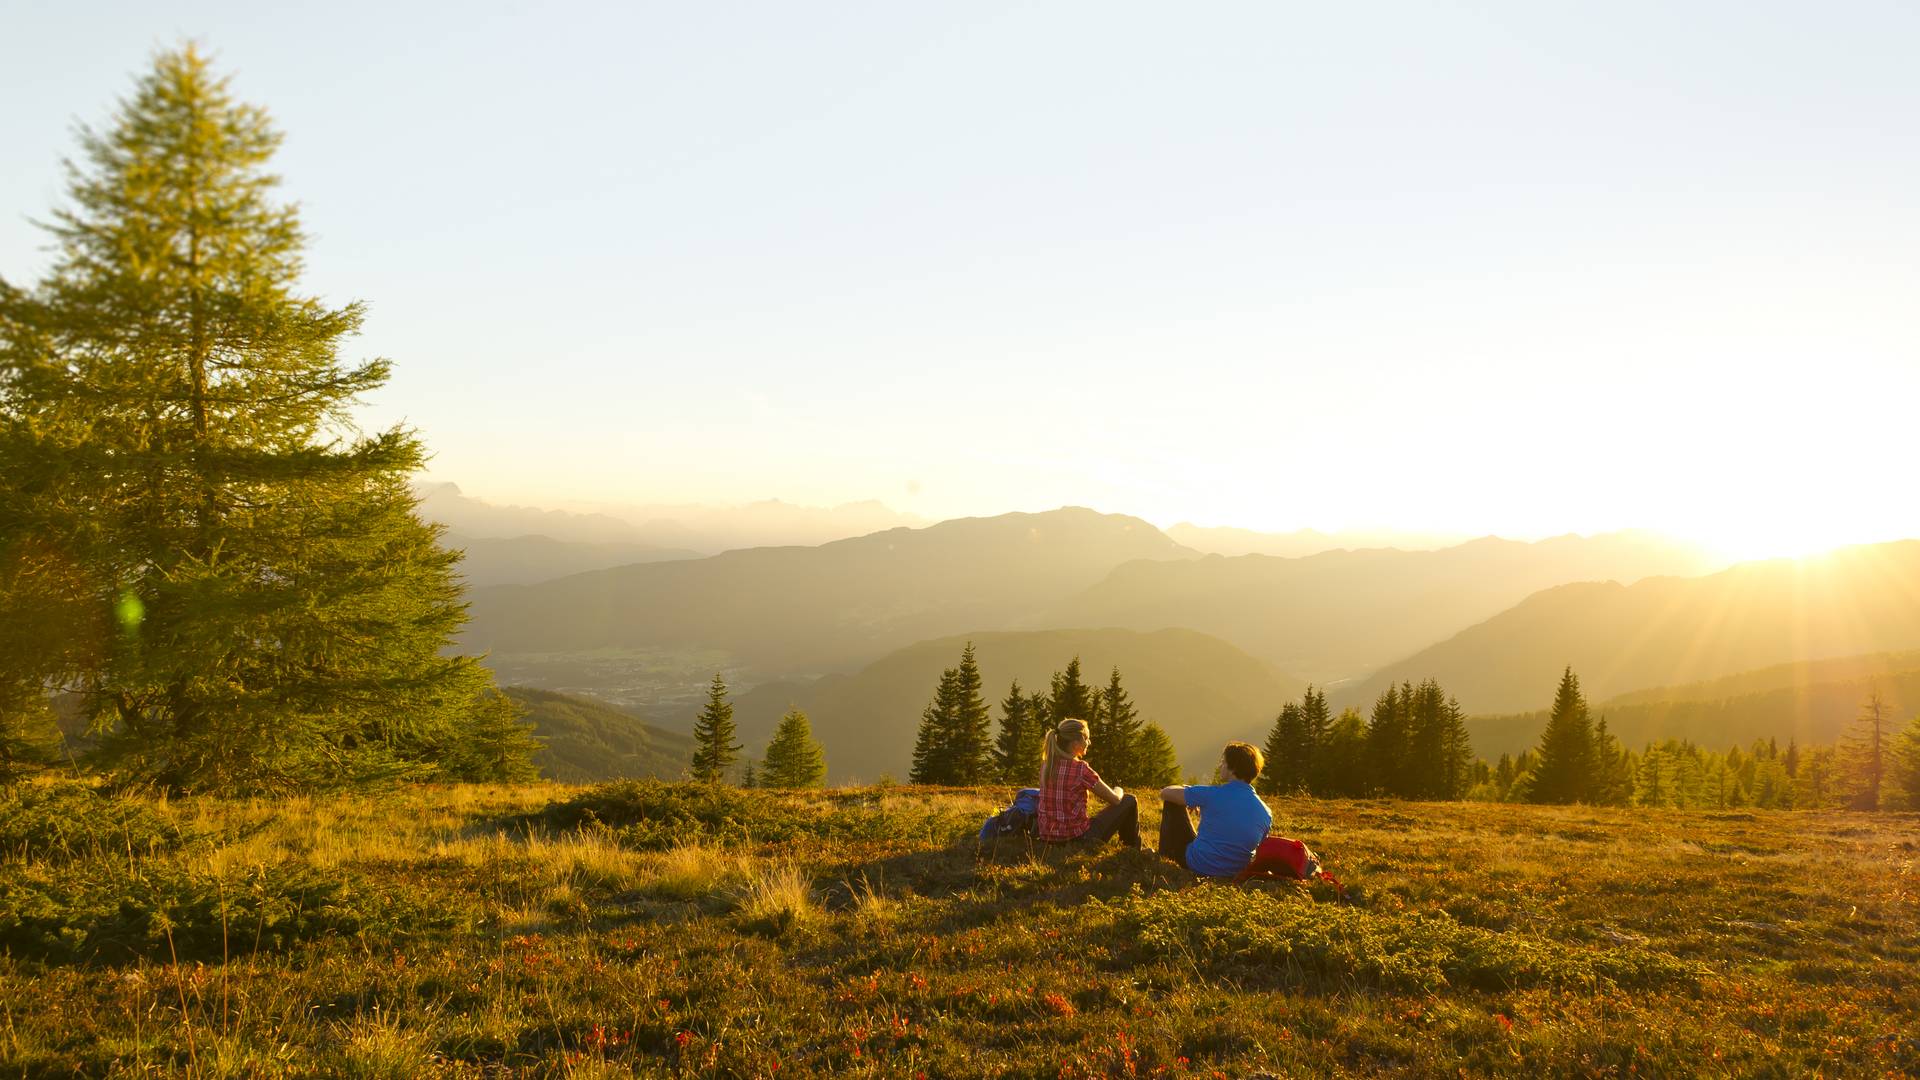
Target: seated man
{"points": [[1233, 820]]}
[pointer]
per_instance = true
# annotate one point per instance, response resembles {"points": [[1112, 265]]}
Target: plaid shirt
{"points": [[1063, 801]]}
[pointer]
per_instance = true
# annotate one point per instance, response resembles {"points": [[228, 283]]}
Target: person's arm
{"points": [[1177, 795], [1105, 794]]}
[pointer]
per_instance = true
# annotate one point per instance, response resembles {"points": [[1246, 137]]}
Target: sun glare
{"points": [[1782, 540]]}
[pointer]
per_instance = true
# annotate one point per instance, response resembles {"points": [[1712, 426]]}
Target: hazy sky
{"points": [[1524, 267]]}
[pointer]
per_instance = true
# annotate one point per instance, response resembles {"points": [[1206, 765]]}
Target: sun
{"points": [[1782, 539]]}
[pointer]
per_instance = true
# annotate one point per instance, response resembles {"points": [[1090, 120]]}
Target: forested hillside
{"points": [[1201, 690], [1672, 631], [585, 741], [1342, 614], [1810, 703], [810, 609]]}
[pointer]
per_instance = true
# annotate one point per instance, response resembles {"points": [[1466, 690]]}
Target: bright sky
{"points": [[1519, 267]]}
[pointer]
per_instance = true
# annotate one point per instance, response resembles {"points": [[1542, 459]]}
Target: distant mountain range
{"points": [[1227, 540], [1202, 690], [703, 530], [805, 610], [1340, 614], [1493, 620], [526, 560], [1811, 702], [1671, 631]]}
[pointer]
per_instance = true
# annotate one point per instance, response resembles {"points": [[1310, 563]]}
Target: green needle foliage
{"points": [[952, 745], [1116, 735], [227, 571], [1566, 754], [1155, 763], [794, 757], [1023, 725], [715, 751]]}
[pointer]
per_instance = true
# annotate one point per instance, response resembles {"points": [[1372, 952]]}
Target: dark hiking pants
{"points": [[1122, 817]]}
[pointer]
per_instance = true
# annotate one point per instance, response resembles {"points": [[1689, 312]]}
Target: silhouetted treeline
{"points": [[953, 744], [1414, 745], [1875, 766]]}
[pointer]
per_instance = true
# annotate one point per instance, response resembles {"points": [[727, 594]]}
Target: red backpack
{"points": [[1281, 859]]}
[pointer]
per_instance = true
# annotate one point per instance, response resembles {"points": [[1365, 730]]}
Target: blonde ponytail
{"points": [[1074, 732]]}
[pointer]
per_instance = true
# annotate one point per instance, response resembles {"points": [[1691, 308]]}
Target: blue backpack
{"points": [[1015, 820]]}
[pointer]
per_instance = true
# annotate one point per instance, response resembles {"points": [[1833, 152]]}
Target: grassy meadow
{"points": [[670, 930]]}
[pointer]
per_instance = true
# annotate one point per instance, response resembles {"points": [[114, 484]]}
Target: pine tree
{"points": [[1155, 763], [1565, 770], [1070, 697], [1456, 771], [714, 749], [748, 777], [1612, 781], [1315, 720], [1016, 751], [1285, 773], [970, 744], [1864, 753], [1116, 735], [1389, 739], [1907, 757], [794, 758], [1427, 734], [175, 419], [932, 746], [1343, 757]]}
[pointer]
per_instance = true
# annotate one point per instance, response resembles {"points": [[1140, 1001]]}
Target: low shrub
{"points": [[66, 821], [651, 815], [110, 912], [1289, 940]]}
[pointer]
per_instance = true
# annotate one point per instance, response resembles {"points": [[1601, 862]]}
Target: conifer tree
{"points": [[1070, 697], [1314, 723], [1016, 750], [1389, 741], [933, 745], [1427, 735], [794, 759], [1612, 783], [714, 749], [748, 777], [1344, 758], [1155, 763], [1863, 753], [1285, 753], [1456, 771], [1503, 776], [970, 746], [1907, 757], [1116, 735], [175, 425], [1565, 770]]}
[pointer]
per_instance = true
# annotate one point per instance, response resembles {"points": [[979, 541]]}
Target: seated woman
{"points": [[1233, 820], [1065, 783]]}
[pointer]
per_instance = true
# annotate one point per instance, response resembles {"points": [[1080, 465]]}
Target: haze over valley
{"points": [[1213, 627]]}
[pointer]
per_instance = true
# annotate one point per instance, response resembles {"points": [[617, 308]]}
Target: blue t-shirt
{"points": [[1233, 821]]}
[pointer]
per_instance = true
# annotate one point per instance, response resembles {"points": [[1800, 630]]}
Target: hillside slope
{"points": [[1339, 614], [811, 609], [1203, 691], [1673, 631], [526, 560], [1814, 702], [587, 742]]}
